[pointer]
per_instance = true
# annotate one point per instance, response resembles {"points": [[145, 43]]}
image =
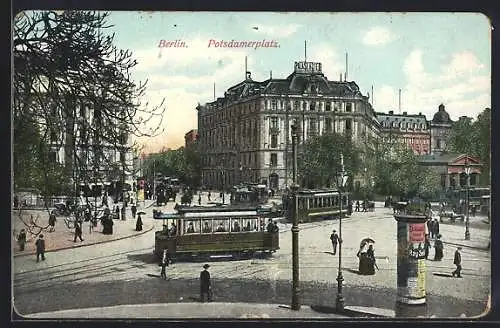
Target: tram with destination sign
{"points": [[202, 232], [315, 205]]}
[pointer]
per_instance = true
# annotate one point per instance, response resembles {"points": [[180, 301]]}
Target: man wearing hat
{"points": [[40, 248], [334, 237], [458, 262], [205, 286]]}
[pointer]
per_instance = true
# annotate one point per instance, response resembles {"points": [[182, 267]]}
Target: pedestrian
{"points": [[78, 231], [52, 221], [427, 245], [276, 229], [133, 208], [370, 255], [438, 249], [205, 285], [270, 226], [357, 206], [21, 239], [40, 248], [199, 198], [364, 205], [334, 237], [138, 224], [458, 262], [209, 196], [165, 260], [436, 227], [429, 226]]}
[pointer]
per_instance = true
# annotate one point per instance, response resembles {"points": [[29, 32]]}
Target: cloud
{"points": [[167, 79], [377, 35], [276, 31], [332, 64], [461, 85]]}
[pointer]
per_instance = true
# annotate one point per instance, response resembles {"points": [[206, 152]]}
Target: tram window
{"points": [[236, 225], [247, 225], [192, 227], [221, 226], [207, 226], [329, 201], [311, 204]]}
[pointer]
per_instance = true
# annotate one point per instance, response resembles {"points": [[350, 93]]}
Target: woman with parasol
{"points": [[366, 256], [138, 224]]}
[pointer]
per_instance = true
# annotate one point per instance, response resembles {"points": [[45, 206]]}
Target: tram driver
{"points": [[190, 228], [206, 228]]}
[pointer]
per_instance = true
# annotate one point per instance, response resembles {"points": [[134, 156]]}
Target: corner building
{"points": [[245, 136]]}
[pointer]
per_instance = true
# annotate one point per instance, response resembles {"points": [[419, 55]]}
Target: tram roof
{"points": [[208, 215], [319, 192]]}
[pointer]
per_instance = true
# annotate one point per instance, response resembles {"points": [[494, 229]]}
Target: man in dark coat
{"points": [[436, 227], [334, 237], [165, 260], [458, 262], [78, 231], [427, 245], [40, 248], [357, 206], [21, 239], [205, 285], [52, 221]]}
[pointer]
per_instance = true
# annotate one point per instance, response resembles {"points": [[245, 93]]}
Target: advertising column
{"points": [[411, 269]]}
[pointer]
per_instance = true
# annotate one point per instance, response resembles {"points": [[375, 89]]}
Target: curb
{"points": [[84, 245], [347, 312], [463, 245]]}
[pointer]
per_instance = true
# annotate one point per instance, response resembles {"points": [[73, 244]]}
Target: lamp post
{"points": [[295, 226], [467, 186], [341, 181]]}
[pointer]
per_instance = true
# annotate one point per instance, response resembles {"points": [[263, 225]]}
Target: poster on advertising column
{"points": [[140, 195], [416, 261]]}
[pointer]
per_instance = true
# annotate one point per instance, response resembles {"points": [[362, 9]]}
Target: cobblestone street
{"points": [[122, 272]]}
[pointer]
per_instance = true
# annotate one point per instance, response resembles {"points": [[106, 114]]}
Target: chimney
{"points": [[420, 114], [270, 75], [249, 75], [391, 112], [340, 77], [405, 113]]}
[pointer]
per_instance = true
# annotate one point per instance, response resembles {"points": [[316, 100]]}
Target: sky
{"points": [[433, 58]]}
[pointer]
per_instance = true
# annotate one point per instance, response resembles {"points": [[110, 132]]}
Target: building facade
{"points": [[439, 129], [245, 135], [190, 138], [411, 130]]}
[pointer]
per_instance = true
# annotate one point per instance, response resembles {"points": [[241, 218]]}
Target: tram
{"points": [[315, 205], [200, 232]]}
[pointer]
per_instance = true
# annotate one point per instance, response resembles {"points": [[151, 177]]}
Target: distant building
{"points": [[190, 138], [412, 130], [451, 169], [245, 135], [440, 127]]}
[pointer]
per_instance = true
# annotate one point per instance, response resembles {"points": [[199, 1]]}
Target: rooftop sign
{"points": [[307, 67]]}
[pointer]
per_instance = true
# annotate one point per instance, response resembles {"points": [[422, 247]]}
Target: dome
{"points": [[441, 116]]}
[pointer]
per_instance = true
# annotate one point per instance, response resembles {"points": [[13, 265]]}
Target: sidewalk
{"points": [[455, 235], [190, 311], [62, 237]]}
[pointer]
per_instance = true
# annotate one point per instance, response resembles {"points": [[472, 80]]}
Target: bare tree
{"points": [[75, 86]]}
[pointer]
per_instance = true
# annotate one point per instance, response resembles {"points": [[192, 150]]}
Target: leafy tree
{"points": [[473, 137], [319, 159]]}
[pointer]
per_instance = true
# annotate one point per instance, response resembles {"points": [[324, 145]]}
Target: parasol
{"points": [[366, 241]]}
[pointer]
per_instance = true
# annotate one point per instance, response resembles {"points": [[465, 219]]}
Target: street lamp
{"points": [[467, 186], [341, 182], [295, 226]]}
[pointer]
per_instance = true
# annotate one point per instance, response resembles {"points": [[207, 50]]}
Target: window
{"points": [[328, 106], [312, 105], [304, 105], [328, 124], [296, 105], [438, 143], [53, 156], [274, 141], [221, 225], [192, 227], [336, 106], [273, 104], [348, 124], [348, 107], [274, 159], [321, 106], [274, 122]]}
